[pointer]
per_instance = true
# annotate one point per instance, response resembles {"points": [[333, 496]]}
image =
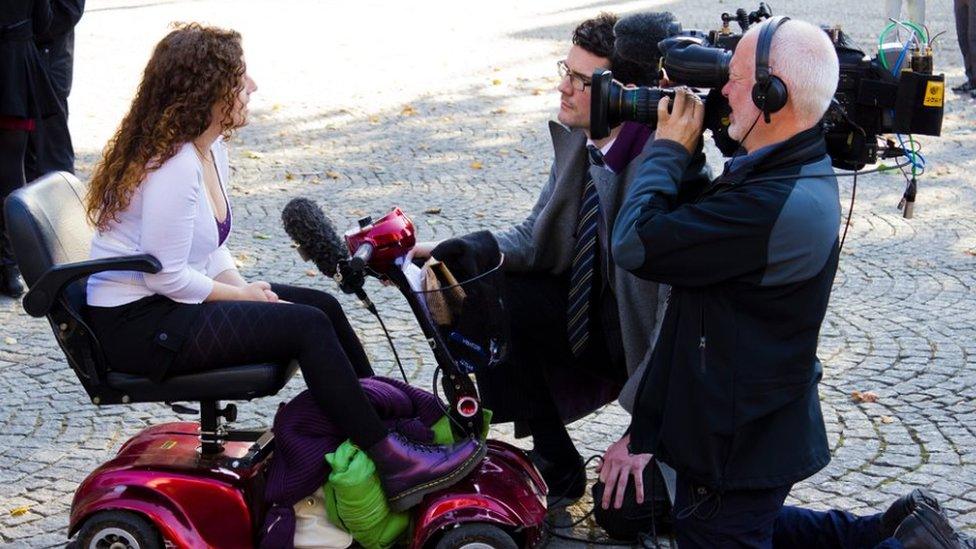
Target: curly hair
{"points": [[596, 35], [192, 69]]}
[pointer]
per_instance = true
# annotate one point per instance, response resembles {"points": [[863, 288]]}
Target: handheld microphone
{"points": [[315, 235], [319, 242]]}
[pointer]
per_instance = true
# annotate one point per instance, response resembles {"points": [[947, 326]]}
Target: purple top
{"points": [[223, 227], [628, 145]]}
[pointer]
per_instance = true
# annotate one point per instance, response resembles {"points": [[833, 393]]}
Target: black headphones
{"points": [[769, 92]]}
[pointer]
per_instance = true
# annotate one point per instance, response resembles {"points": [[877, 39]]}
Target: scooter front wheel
{"points": [[476, 535], [118, 530]]}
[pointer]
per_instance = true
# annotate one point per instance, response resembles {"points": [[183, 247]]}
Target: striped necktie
{"points": [[584, 262]]}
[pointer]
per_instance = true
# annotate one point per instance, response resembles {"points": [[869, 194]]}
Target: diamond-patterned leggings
{"points": [[312, 328]]}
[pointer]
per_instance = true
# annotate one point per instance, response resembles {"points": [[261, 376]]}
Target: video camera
{"points": [[894, 92]]}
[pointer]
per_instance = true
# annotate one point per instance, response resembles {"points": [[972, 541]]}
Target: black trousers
{"points": [[50, 148], [966, 33], [526, 387], [13, 145], [172, 338], [757, 519]]}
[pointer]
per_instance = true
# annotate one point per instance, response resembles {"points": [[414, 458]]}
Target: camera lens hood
{"points": [[600, 104]]}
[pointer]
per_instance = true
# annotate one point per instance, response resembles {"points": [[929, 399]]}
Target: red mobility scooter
{"points": [[200, 484]]}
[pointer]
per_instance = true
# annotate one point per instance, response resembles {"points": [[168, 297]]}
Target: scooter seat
{"points": [[236, 383]]}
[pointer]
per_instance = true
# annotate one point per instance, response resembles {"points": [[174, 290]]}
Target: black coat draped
{"points": [[25, 89]]}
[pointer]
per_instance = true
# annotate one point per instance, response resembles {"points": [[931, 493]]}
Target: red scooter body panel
{"points": [[506, 490], [391, 236], [194, 501]]}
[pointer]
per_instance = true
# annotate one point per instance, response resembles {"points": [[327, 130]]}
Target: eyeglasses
{"points": [[576, 80]]}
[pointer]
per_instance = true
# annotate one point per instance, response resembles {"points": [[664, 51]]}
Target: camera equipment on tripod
{"points": [[895, 92]]}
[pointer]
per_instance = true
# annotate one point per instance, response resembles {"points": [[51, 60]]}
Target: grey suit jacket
{"points": [[544, 242]]}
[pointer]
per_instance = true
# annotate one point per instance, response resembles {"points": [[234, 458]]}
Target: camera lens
{"points": [[612, 104]]}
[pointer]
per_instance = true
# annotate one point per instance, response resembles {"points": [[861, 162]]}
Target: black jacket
{"points": [[25, 90], [730, 398]]}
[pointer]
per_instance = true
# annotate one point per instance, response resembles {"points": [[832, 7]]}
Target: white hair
{"points": [[803, 57]]}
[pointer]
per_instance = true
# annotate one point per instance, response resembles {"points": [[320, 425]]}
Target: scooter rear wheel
{"points": [[118, 530], [476, 535]]}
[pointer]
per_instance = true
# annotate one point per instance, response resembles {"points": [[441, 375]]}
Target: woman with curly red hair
{"points": [[160, 189]]}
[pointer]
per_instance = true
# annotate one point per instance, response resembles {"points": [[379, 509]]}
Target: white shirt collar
{"points": [[604, 149]]}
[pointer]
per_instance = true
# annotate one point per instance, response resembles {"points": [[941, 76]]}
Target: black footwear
{"points": [[965, 87], [927, 528], [10, 285], [904, 506], [566, 481]]}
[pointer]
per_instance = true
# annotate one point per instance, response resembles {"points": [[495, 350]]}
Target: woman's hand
{"points": [[616, 469], [258, 291]]}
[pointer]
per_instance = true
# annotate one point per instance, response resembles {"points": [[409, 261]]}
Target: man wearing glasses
{"points": [[579, 326]]}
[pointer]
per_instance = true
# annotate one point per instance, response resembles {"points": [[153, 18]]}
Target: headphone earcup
{"points": [[776, 94], [770, 96]]}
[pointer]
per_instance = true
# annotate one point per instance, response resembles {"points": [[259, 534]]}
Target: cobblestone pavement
{"points": [[441, 109]]}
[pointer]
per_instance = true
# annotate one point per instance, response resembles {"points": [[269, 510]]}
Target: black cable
{"points": [[390, 341], [804, 176], [465, 282], [552, 528], [850, 210]]}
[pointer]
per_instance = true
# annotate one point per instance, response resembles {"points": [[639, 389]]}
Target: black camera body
{"points": [[869, 100]]}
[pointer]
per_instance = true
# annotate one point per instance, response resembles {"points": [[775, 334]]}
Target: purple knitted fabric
{"points": [[303, 435]]}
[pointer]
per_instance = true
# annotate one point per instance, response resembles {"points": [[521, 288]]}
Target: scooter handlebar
{"points": [[361, 257]]}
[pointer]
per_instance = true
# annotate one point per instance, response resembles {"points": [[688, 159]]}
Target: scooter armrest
{"points": [[42, 296]]}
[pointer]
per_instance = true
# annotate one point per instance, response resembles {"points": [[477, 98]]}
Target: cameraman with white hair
{"points": [[730, 396]]}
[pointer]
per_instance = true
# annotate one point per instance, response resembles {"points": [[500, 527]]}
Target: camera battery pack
{"points": [[919, 104]]}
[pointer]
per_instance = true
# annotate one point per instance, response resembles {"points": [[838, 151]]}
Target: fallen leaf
{"points": [[477, 165], [332, 174], [276, 107], [254, 155], [375, 119], [18, 511], [261, 236], [432, 211], [866, 396], [479, 214], [289, 176], [10, 341], [496, 82], [499, 111], [408, 110], [887, 419]]}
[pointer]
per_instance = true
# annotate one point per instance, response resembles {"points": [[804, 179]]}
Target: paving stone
{"points": [[901, 320]]}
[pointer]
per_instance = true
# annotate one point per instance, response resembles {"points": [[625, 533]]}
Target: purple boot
{"points": [[410, 470]]}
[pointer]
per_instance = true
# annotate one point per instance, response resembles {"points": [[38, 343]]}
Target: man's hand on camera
{"points": [[615, 470], [683, 124]]}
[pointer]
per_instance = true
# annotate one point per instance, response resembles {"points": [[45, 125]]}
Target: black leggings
{"points": [[312, 328], [13, 147]]}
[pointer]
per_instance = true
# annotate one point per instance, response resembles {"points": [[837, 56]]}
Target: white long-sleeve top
{"points": [[170, 218]]}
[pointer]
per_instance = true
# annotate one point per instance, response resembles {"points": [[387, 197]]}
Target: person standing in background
{"points": [[916, 10], [49, 147], [26, 96], [966, 32]]}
